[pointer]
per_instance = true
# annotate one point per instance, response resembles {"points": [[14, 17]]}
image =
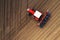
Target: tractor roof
{"points": [[37, 14]]}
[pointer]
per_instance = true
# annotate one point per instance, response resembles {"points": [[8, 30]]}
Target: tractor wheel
{"points": [[34, 10], [29, 14]]}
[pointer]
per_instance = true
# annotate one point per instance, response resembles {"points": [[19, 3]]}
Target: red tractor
{"points": [[39, 16]]}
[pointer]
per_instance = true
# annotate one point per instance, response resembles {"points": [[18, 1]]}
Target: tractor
{"points": [[42, 18]]}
